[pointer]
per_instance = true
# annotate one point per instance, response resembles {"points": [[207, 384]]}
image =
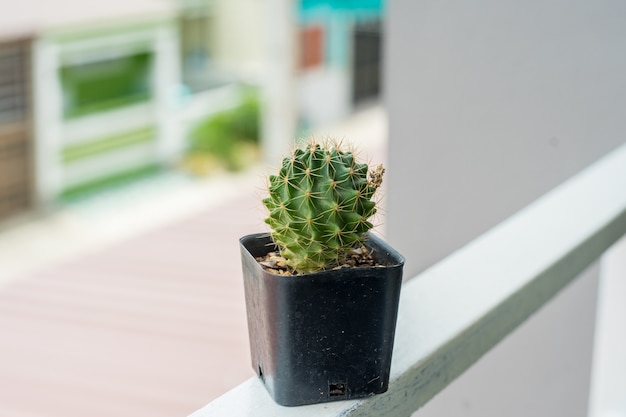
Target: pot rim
{"points": [[395, 259]]}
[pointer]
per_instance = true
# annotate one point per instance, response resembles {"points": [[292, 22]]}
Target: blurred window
{"points": [[199, 70], [311, 47], [13, 83], [106, 84]]}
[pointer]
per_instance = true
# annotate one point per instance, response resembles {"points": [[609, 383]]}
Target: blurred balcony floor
{"points": [[154, 325], [146, 317]]}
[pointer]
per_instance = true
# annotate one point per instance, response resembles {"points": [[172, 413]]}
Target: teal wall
{"points": [[347, 5]]}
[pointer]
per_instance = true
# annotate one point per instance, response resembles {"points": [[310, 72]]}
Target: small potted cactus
{"points": [[321, 291]]}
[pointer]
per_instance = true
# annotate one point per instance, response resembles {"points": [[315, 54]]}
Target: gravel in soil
{"points": [[274, 263]]}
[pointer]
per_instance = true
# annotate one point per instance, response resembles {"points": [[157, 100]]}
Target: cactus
{"points": [[319, 205]]}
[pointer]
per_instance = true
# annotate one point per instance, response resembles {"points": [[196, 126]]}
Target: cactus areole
{"points": [[320, 205]]}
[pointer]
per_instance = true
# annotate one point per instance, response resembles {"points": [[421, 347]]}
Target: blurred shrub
{"points": [[229, 138]]}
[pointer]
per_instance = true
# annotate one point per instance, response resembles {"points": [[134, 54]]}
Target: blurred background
{"points": [[96, 95], [134, 136]]}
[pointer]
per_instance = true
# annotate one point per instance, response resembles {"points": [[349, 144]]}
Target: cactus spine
{"points": [[319, 205]]}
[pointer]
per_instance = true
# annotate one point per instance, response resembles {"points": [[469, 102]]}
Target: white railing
{"points": [[471, 300]]}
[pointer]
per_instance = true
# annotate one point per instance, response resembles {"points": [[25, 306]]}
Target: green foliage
{"points": [[227, 134], [319, 205]]}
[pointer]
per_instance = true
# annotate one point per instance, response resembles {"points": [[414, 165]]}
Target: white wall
{"points": [[498, 384], [491, 104]]}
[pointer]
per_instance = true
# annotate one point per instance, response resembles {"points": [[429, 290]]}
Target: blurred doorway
{"points": [[367, 61]]}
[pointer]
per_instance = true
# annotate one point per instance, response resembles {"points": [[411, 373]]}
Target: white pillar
{"points": [[279, 114], [166, 79], [608, 388], [48, 109]]}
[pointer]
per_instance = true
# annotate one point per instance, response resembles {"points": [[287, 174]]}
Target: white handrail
{"points": [[490, 287]]}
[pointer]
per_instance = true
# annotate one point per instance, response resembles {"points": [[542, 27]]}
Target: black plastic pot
{"points": [[325, 336]]}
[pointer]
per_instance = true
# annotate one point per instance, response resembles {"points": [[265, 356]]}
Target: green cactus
{"points": [[319, 205]]}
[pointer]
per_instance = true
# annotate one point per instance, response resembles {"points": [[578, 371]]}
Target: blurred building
{"points": [[103, 94], [340, 57], [93, 93]]}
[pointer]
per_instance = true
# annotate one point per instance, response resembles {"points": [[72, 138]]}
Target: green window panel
{"points": [[106, 84]]}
